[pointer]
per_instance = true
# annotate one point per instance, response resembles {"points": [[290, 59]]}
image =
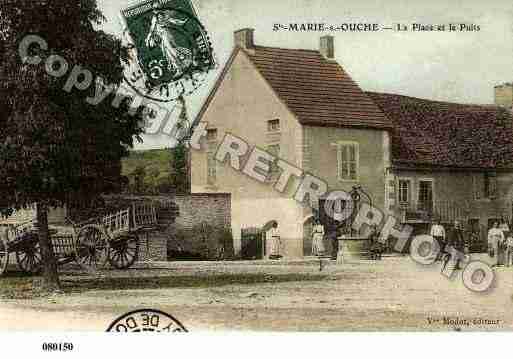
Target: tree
{"points": [[54, 145], [179, 168]]}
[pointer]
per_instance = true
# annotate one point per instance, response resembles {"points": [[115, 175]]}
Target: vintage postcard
{"points": [[186, 166]]}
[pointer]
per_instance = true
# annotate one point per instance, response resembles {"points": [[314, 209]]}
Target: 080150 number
{"points": [[57, 347]]}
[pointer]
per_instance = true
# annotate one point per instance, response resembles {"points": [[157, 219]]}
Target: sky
{"points": [[449, 66]]}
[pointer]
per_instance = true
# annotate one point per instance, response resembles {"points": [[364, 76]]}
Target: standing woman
{"points": [[318, 239], [495, 238], [273, 237], [504, 227], [438, 233]]}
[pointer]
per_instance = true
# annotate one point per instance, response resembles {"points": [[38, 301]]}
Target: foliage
{"points": [[54, 145], [179, 166], [157, 171]]}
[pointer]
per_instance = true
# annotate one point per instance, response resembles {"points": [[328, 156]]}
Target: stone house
{"points": [[415, 158]]}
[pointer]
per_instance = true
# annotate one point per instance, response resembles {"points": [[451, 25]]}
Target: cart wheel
{"points": [[124, 251], [91, 248], [4, 255], [29, 258]]}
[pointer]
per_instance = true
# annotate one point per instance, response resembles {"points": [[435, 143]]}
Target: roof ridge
{"points": [[487, 106], [284, 48]]}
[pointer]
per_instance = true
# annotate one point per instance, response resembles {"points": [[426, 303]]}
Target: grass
{"points": [[152, 160], [15, 286]]}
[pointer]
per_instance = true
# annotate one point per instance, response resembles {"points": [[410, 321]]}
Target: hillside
{"points": [[149, 171], [151, 160]]}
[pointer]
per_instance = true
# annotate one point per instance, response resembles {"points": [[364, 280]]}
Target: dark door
{"points": [[251, 243]]}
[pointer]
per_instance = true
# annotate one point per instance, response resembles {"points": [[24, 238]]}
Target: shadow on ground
{"points": [[17, 286]]}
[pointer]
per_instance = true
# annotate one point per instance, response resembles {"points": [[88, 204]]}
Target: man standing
{"points": [[495, 238], [273, 236], [456, 241], [438, 233]]}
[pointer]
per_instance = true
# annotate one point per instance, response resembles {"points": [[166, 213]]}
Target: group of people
{"points": [[500, 243], [455, 239], [318, 234], [499, 239]]}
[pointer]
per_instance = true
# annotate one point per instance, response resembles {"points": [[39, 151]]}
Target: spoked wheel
{"points": [[124, 251], [29, 256], [91, 248], [4, 255]]}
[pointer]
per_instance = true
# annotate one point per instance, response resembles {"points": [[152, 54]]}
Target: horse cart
{"points": [[112, 238]]}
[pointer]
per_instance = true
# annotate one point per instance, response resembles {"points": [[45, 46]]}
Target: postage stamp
{"points": [[170, 48]]}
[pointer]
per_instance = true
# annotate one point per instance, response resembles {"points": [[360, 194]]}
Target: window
{"points": [[404, 191], [273, 125], [426, 196], [484, 185], [212, 134], [274, 168], [490, 185], [347, 157]]}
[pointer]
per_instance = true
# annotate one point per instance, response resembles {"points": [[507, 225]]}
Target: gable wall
{"points": [[242, 105]]}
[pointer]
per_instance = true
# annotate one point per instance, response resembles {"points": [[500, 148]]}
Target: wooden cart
{"points": [[113, 238]]}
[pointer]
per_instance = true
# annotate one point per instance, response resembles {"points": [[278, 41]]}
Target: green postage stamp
{"points": [[171, 51]]}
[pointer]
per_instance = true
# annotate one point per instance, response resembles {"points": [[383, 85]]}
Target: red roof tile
{"points": [[318, 91], [437, 133]]}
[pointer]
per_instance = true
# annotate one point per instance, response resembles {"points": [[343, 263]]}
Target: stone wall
{"points": [[202, 226], [179, 218], [212, 208]]}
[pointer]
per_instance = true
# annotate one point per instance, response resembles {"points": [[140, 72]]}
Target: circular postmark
{"points": [[170, 52], [146, 320]]}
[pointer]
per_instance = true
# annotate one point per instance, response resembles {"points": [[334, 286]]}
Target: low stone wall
{"points": [[202, 226], [181, 218]]}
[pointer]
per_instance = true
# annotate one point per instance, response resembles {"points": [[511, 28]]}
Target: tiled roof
{"points": [[318, 91], [437, 133]]}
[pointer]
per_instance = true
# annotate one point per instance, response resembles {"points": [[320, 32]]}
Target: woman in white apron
{"points": [[273, 238], [318, 239]]}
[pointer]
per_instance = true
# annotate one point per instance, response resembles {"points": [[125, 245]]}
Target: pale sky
{"points": [[458, 66]]}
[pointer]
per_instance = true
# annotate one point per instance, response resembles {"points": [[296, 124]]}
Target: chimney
{"points": [[327, 47], [244, 38]]}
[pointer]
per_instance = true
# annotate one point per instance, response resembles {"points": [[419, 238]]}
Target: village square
{"points": [[293, 200]]}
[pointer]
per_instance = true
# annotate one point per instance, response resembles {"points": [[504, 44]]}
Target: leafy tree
{"points": [[53, 144], [179, 166]]}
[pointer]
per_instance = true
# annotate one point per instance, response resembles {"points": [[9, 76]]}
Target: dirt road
{"points": [[392, 294]]}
